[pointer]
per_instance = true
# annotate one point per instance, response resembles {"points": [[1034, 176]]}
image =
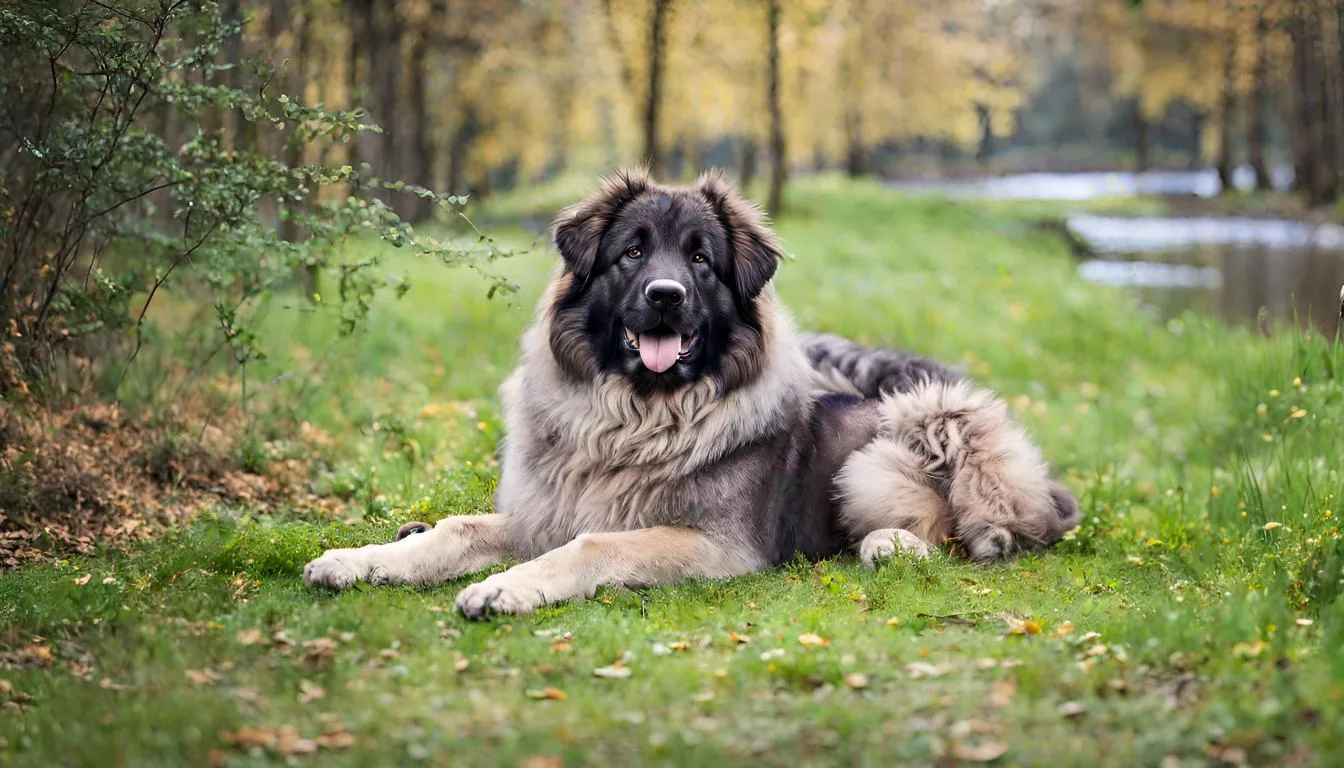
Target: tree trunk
{"points": [[986, 148], [747, 167], [418, 159], [231, 50], [457, 151], [1255, 116], [361, 23], [1312, 163], [856, 155], [1197, 139], [1140, 137], [653, 99], [1225, 110], [386, 64], [774, 201]]}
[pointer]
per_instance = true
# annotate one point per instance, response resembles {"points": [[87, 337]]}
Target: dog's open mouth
{"points": [[659, 348]]}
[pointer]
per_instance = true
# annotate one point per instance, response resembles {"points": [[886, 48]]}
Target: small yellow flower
{"points": [[1273, 393], [1215, 491], [1297, 414], [1297, 382], [1268, 438], [481, 425], [1261, 410], [1271, 525]]}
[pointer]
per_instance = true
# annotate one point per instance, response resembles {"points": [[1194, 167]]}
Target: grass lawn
{"points": [[1193, 617]]}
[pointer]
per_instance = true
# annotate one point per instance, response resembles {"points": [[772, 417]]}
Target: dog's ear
{"points": [[755, 251], [579, 228]]}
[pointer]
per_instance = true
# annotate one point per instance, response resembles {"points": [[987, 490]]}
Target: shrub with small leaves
{"points": [[129, 159]]}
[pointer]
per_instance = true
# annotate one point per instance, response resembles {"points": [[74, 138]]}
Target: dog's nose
{"points": [[664, 293]]}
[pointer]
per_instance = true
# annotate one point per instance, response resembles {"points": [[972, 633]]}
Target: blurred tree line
{"points": [[250, 135], [475, 96]]}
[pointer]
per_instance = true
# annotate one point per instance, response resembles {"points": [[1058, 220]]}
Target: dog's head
{"points": [[661, 284]]}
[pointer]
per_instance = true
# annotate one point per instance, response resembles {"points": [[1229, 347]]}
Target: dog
{"points": [[666, 422]]}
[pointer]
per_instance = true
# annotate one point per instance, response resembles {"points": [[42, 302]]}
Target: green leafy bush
{"points": [[134, 154]]}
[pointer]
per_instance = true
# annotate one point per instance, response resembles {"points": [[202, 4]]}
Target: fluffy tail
{"points": [[844, 366], [949, 462]]}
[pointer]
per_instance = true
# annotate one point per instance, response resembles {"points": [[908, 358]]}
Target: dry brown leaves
{"points": [[92, 474], [286, 739]]}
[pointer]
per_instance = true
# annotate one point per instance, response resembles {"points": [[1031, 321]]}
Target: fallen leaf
{"points": [[201, 677], [1271, 525], [282, 638], [1065, 628], [248, 736], [1001, 692], [1249, 650], [109, 580], [461, 665], [107, 685], [1304, 622], [1072, 709], [1225, 754], [1090, 636], [321, 649], [554, 694], [678, 646], [310, 692], [249, 695], [291, 743], [811, 639], [560, 646], [984, 752], [541, 761], [250, 637], [986, 663], [82, 580], [922, 669], [1117, 684], [616, 671], [856, 680], [739, 639], [340, 739], [1018, 626], [1096, 650]]}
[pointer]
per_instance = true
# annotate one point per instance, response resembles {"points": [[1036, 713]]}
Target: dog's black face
{"points": [[661, 284]]}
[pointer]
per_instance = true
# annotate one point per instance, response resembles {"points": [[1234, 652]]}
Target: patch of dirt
{"points": [[76, 477]]}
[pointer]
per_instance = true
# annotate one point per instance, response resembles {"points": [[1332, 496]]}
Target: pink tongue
{"points": [[659, 352]]}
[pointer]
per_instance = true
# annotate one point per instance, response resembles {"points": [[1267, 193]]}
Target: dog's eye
{"points": [[633, 252], [699, 258]]}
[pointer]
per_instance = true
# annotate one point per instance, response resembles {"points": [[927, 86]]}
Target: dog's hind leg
{"points": [[995, 482], [455, 546], [886, 502]]}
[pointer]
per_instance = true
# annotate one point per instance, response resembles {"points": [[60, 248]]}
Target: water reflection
{"points": [[1259, 286]]}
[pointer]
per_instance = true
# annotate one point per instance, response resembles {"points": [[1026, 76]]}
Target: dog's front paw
{"points": [[341, 568], [502, 593], [885, 542]]}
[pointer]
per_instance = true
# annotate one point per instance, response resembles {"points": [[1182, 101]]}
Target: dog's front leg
{"points": [[456, 545], [629, 558]]}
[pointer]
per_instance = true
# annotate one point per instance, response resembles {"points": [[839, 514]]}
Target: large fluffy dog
{"points": [[667, 422]]}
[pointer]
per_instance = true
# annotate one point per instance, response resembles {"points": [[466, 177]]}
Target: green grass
{"points": [[1186, 443]]}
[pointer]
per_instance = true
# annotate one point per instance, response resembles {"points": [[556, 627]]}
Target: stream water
{"points": [[1257, 271]]}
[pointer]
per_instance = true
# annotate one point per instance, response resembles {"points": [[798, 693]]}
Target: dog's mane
{"points": [[609, 447]]}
